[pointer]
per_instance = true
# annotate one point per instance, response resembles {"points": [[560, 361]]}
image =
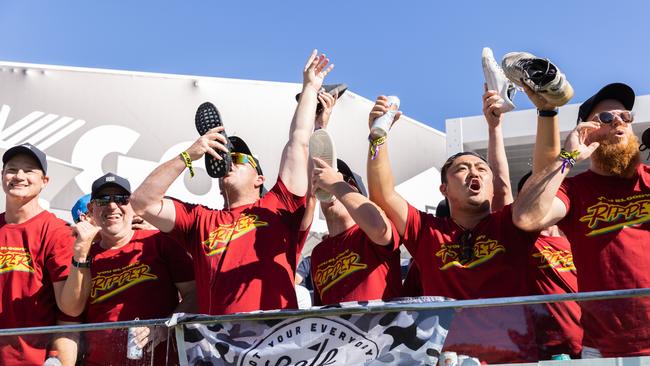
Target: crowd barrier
{"points": [[408, 331]]}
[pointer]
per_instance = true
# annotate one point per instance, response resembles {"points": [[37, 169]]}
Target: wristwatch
{"points": [[548, 113], [85, 264]]}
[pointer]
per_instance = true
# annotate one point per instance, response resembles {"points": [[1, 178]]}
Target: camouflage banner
{"points": [[388, 338]]}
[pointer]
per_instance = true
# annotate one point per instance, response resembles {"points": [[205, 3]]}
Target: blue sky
{"points": [[426, 52]]}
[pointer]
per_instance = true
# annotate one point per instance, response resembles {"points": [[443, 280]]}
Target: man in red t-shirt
{"points": [[245, 255], [136, 274], [36, 249], [550, 261], [604, 214], [359, 259], [475, 253]]}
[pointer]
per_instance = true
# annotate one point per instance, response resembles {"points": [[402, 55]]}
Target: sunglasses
{"points": [[466, 247], [239, 158], [608, 117], [120, 199]]}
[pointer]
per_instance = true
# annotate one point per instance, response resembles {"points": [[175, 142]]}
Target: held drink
{"points": [[133, 352], [381, 125]]}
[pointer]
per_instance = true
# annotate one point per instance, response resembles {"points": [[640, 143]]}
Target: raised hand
{"points": [[579, 141], [492, 103], [324, 176], [315, 70], [84, 232], [539, 101], [209, 143], [327, 101], [381, 106]]}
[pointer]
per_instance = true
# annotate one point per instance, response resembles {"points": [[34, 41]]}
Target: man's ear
{"points": [[443, 189], [259, 181]]}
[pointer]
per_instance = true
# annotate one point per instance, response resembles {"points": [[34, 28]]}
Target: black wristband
{"points": [[552, 113], [85, 264]]}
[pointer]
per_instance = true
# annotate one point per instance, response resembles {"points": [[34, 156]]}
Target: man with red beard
{"points": [[604, 214]]}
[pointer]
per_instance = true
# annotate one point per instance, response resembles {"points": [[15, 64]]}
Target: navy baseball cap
{"points": [[110, 179], [27, 149], [617, 91]]}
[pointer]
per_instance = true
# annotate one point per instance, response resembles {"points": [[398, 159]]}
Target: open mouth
{"points": [[475, 185]]}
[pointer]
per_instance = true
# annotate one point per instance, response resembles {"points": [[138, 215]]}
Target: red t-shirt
{"points": [[350, 267], [553, 272], [608, 225], [133, 281], [244, 257], [33, 255], [498, 267]]}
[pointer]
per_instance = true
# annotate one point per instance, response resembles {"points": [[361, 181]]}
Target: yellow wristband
{"points": [[374, 146], [188, 162]]}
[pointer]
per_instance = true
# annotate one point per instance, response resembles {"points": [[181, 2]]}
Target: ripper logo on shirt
{"points": [[334, 270], [15, 259], [484, 249], [560, 260], [109, 283], [218, 239], [612, 214]]}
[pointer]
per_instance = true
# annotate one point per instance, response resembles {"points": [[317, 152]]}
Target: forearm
{"points": [[75, 291], [366, 214], [381, 189], [531, 210], [548, 144], [499, 164], [293, 166], [147, 198], [67, 346], [308, 217]]}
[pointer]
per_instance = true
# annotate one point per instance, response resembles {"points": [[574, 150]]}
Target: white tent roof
{"points": [[93, 121]]}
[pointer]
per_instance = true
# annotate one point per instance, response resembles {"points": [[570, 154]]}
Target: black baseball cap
{"points": [[27, 149], [238, 145], [109, 179], [348, 175], [617, 91]]}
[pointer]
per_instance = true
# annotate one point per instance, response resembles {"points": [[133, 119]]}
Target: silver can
{"points": [[133, 352], [381, 125], [448, 359]]}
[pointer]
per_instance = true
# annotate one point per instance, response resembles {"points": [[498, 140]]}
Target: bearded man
{"points": [[605, 214]]}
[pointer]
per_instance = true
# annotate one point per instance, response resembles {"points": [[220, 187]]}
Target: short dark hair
{"points": [[451, 159], [523, 180]]}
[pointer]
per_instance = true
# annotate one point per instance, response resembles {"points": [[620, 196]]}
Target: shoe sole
{"points": [[321, 146], [491, 80], [560, 100], [207, 117]]}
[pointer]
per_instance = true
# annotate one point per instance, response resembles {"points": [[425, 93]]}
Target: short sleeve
{"points": [[186, 222], [59, 256], [414, 220], [288, 200]]}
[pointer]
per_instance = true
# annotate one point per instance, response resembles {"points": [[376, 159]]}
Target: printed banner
{"points": [[395, 338]]}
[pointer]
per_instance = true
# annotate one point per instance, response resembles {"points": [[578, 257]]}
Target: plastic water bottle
{"points": [[381, 125], [133, 352], [52, 359]]}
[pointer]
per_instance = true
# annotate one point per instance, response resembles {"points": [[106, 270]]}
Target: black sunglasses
{"points": [[120, 199], [466, 247], [608, 117]]}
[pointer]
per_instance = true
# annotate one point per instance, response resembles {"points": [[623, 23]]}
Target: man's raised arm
{"points": [[148, 200], [293, 166], [536, 206], [381, 185]]}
